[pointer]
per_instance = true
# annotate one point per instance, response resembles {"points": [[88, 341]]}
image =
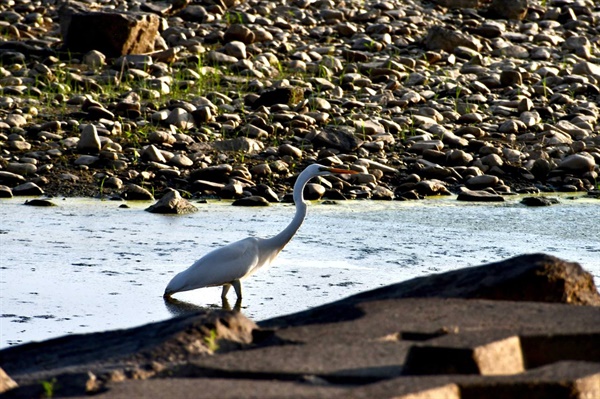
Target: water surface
{"points": [[89, 265]]}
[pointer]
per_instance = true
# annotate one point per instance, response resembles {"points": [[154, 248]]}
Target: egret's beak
{"points": [[342, 171]]}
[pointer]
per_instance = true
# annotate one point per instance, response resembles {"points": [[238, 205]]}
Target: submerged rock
{"points": [[539, 201]]}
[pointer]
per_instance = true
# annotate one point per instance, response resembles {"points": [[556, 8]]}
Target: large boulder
{"points": [[112, 33]]}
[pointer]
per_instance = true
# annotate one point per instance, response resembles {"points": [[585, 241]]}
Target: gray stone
{"points": [[216, 173], [89, 142], [368, 127], [40, 202], [290, 150], [193, 13], [5, 191], [340, 139], [181, 160], [578, 163], [15, 120], [510, 78], [10, 178], [382, 193], [539, 201], [172, 202], [94, 59], [439, 38], [239, 144], [431, 187], [586, 68], [153, 154], [254, 200], [27, 189], [314, 191], [478, 196], [233, 189], [236, 49], [458, 158], [420, 146], [133, 192], [239, 32], [181, 119], [86, 160], [483, 181], [22, 169], [215, 57]]}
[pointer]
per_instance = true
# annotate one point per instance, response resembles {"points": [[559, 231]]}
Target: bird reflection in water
{"points": [[180, 308]]}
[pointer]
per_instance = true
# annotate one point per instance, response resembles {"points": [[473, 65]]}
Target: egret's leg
{"points": [[225, 304], [226, 288], [237, 285]]}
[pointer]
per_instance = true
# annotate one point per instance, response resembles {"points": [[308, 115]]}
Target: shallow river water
{"points": [[89, 265]]}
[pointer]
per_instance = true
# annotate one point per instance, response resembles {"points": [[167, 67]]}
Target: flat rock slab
{"points": [[535, 278], [419, 319], [564, 380], [217, 388], [343, 363], [375, 344]]}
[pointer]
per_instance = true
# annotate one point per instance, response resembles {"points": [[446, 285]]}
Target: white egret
{"points": [[228, 265]]}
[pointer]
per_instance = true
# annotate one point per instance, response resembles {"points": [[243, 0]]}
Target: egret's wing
{"points": [[224, 264]]}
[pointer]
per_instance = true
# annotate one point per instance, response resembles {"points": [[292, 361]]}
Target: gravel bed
{"points": [[236, 98]]}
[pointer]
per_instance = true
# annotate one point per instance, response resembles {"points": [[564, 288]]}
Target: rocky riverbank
{"points": [[527, 327], [232, 99]]}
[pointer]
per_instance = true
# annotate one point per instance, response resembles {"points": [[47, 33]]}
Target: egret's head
{"points": [[177, 284]]}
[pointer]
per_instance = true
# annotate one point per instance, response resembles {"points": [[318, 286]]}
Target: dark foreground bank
{"points": [[527, 327]]}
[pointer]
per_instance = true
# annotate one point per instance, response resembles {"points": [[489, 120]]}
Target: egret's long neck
{"points": [[281, 239]]}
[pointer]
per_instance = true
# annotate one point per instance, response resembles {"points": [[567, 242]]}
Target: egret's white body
{"points": [[228, 265]]}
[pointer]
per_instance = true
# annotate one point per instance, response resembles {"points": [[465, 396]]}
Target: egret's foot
{"points": [[238, 305], [225, 304]]}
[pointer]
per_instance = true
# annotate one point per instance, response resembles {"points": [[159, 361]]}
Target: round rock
{"points": [[28, 188], [172, 203], [578, 163]]}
